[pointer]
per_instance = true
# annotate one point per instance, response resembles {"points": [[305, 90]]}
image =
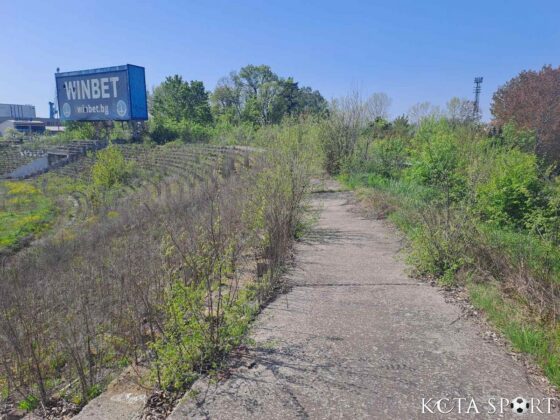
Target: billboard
{"points": [[112, 93]]}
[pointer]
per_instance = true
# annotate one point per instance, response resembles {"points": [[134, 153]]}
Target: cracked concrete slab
{"points": [[124, 399], [356, 338]]}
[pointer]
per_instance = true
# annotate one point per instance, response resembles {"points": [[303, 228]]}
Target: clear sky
{"points": [[422, 50]]}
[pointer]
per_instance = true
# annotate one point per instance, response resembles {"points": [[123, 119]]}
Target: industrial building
{"points": [[23, 126], [23, 118], [16, 112]]}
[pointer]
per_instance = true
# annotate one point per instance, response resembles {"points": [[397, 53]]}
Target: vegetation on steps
{"points": [[167, 276], [24, 210]]}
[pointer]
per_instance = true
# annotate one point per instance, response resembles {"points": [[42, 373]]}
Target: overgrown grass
{"points": [[24, 211], [169, 277], [502, 259], [540, 257], [525, 334], [29, 208]]}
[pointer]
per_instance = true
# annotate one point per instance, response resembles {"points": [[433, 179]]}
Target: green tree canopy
{"points": [[179, 100], [257, 95]]}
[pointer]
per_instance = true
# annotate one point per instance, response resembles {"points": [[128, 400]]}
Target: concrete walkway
{"points": [[357, 338]]}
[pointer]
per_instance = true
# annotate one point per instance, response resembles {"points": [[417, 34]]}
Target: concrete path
{"points": [[124, 399], [357, 338]]}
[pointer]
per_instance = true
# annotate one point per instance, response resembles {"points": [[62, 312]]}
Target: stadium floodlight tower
{"points": [[476, 104]]}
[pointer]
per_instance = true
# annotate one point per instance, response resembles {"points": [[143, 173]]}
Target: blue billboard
{"points": [[112, 93]]}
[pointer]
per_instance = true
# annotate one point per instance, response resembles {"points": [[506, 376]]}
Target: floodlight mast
{"points": [[476, 104]]}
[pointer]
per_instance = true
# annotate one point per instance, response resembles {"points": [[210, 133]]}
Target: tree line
{"points": [[254, 95]]}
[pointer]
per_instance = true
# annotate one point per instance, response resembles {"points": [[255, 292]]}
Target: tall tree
{"points": [[532, 101], [253, 78], [423, 110], [377, 106], [226, 98], [460, 110], [288, 98], [401, 127], [258, 95], [267, 95], [311, 102], [178, 100]]}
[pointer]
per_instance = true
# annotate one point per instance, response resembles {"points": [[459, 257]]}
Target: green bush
{"points": [[231, 134], [162, 133], [546, 220], [195, 132], [166, 130], [110, 169], [388, 157], [191, 342], [75, 130], [30, 403], [509, 195], [13, 134], [513, 137], [435, 158], [183, 347]]}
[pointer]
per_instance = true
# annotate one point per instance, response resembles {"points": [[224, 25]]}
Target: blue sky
{"points": [[412, 50]]}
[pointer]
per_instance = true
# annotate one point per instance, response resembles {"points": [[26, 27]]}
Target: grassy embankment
{"points": [[26, 210], [166, 278], [478, 212]]}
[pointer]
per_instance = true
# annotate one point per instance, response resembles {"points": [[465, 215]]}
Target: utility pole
{"points": [[55, 109], [476, 104]]}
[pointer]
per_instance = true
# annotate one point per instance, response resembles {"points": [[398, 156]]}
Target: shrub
{"points": [[162, 133], [388, 157], [110, 169], [545, 221], [230, 134], [509, 195], [523, 139], [435, 158], [341, 132], [166, 130], [190, 132], [186, 335], [75, 130], [30, 403], [13, 134], [193, 339]]}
